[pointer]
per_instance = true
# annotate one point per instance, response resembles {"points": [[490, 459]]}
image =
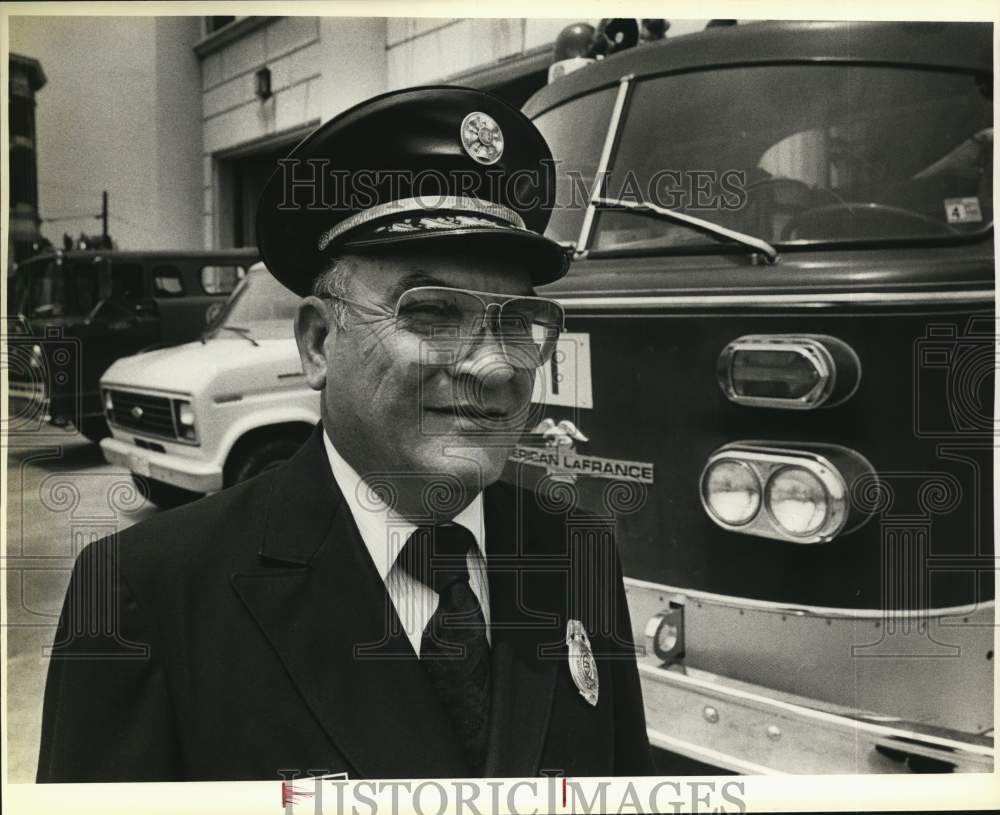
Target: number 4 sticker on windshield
{"points": [[962, 210], [565, 380]]}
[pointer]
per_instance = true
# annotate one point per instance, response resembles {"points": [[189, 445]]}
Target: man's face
{"points": [[391, 405]]}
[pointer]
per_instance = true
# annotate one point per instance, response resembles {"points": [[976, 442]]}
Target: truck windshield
{"points": [[259, 309], [802, 155]]}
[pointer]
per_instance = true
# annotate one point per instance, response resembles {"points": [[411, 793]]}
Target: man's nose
{"points": [[486, 361]]}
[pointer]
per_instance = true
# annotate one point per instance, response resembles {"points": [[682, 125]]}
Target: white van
{"points": [[196, 418]]}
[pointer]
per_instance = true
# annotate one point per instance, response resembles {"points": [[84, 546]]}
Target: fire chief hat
{"points": [[439, 167]]}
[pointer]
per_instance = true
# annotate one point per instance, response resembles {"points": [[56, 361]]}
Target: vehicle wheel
{"points": [[259, 459], [94, 428], [165, 496]]}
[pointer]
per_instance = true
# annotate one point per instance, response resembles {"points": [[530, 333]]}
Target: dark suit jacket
{"points": [[249, 633]]}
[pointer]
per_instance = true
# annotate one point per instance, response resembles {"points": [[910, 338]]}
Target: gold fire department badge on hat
{"points": [[482, 137], [582, 666]]}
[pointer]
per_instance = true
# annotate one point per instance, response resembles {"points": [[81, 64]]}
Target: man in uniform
{"points": [[381, 605]]}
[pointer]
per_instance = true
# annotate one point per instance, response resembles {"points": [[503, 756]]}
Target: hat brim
{"points": [[545, 259], [405, 154]]}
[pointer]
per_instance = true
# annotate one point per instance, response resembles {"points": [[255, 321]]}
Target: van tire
{"points": [[265, 456], [165, 496]]}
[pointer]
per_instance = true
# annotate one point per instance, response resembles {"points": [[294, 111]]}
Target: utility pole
{"points": [[104, 218]]}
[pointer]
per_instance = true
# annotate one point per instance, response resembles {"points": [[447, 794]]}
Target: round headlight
{"points": [[797, 500], [731, 491]]}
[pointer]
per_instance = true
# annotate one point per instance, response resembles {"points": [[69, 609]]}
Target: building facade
{"points": [[267, 81], [26, 78], [119, 113], [181, 119]]}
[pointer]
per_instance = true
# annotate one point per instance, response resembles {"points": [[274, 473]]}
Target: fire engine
{"points": [[780, 363]]}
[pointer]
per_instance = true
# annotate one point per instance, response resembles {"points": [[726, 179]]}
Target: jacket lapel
{"points": [[527, 577], [320, 602]]}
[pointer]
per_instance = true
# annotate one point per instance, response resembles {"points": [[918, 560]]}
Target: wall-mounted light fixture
{"points": [[263, 78]]}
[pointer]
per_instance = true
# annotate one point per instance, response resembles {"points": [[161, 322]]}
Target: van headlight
{"points": [[184, 418]]}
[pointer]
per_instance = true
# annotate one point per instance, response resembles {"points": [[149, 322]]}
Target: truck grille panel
{"points": [[142, 413]]}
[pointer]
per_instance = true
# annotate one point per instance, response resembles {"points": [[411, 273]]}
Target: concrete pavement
{"points": [[60, 495]]}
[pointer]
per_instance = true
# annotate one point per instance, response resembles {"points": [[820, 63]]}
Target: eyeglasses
{"points": [[450, 321]]}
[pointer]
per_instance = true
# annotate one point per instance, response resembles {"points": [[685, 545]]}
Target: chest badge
{"points": [[482, 137], [582, 666]]}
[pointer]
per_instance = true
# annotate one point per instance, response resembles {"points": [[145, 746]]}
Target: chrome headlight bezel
{"points": [[833, 362], [835, 468], [755, 486]]}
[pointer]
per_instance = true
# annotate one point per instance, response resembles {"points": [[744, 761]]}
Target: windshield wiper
{"points": [[242, 331], [757, 244]]}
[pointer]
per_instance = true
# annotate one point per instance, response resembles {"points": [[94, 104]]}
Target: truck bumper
{"points": [[760, 689], [188, 474], [755, 731]]}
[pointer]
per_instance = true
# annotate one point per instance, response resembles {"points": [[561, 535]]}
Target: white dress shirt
{"points": [[385, 532]]}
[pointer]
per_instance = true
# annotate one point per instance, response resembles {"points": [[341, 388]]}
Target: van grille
{"points": [[152, 415]]}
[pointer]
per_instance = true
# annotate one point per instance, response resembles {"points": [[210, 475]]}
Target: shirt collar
{"points": [[382, 529]]}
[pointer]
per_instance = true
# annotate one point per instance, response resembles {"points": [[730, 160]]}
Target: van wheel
{"points": [[259, 459], [94, 428], [165, 496]]}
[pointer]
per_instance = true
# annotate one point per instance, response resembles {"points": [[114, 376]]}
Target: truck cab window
{"points": [[803, 154], [575, 133]]}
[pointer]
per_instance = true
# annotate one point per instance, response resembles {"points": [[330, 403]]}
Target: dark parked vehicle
{"points": [[781, 306], [79, 311]]}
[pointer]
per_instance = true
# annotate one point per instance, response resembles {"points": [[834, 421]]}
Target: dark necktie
{"points": [[453, 649]]}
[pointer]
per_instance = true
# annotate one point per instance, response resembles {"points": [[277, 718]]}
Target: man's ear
{"points": [[312, 335]]}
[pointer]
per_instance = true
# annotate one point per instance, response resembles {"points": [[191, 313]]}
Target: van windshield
{"points": [[55, 287], [259, 308], [802, 155], [98, 287]]}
